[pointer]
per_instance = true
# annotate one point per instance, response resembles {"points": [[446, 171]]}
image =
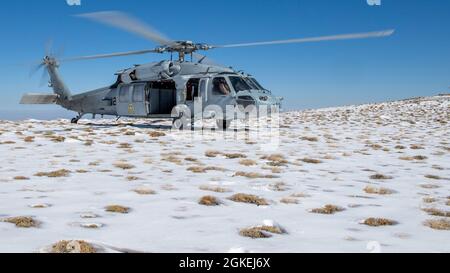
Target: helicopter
{"points": [[154, 90]]}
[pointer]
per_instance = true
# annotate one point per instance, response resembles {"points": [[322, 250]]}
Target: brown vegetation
{"points": [[79, 247], [117, 209], [380, 191], [438, 224], [209, 201], [54, 174], [328, 209], [376, 222], [249, 199], [22, 222]]}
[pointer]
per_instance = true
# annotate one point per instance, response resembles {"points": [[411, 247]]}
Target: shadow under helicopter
{"points": [[156, 126]]}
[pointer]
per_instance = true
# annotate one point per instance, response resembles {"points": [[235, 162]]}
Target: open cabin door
{"points": [[133, 100], [196, 94]]}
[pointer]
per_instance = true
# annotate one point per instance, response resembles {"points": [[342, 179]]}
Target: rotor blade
{"points": [[48, 47], [203, 59], [44, 78], [126, 22], [104, 56], [35, 68], [376, 34]]}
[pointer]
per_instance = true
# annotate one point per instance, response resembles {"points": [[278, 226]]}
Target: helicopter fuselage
{"points": [[153, 90]]}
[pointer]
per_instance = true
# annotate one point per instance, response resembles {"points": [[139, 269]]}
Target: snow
{"points": [[353, 143]]}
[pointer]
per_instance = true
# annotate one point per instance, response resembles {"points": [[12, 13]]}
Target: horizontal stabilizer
{"points": [[39, 99]]}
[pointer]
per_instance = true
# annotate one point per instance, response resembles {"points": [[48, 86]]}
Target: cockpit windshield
{"points": [[239, 84], [251, 84], [256, 83]]}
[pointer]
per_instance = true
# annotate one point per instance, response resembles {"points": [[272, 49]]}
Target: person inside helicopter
{"points": [[220, 87]]}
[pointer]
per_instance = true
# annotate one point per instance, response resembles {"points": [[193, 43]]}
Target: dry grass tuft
{"points": [[381, 191], [191, 159], [439, 224], [125, 146], [400, 147], [328, 209], [29, 139], [133, 178], [79, 247], [260, 232], [379, 176], [8, 142], [279, 186], [156, 134], [57, 139], [289, 200], [309, 138], [209, 201], [144, 191], [437, 212], [254, 233], [376, 222], [200, 169], [429, 200], [212, 153], [275, 160], [214, 189], [123, 165], [172, 159], [253, 175], [234, 155], [197, 169], [22, 222], [247, 162], [376, 146], [311, 160], [430, 186], [117, 209], [21, 178], [416, 147], [54, 174], [249, 199], [300, 195], [431, 176]]}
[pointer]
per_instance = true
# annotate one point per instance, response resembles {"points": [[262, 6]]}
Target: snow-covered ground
{"points": [[327, 156]]}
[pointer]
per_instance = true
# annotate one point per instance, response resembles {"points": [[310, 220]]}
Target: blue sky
{"points": [[413, 62]]}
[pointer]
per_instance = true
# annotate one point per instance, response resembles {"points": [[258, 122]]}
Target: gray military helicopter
{"points": [[154, 90]]}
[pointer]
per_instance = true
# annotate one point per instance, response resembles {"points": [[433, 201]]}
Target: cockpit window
{"points": [[239, 84], [221, 87], [257, 83], [251, 84]]}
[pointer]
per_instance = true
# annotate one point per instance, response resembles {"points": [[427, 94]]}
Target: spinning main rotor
{"points": [[165, 45]]}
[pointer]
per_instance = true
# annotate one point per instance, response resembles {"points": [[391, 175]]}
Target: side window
{"points": [[124, 93], [220, 87], [192, 89], [138, 93]]}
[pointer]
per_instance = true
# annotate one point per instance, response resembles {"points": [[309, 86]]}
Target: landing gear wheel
{"points": [[223, 124], [74, 120]]}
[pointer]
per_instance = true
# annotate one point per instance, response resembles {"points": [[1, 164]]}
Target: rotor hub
{"points": [[49, 61]]}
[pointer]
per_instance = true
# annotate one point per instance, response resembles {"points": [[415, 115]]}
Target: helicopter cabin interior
{"points": [[146, 98]]}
